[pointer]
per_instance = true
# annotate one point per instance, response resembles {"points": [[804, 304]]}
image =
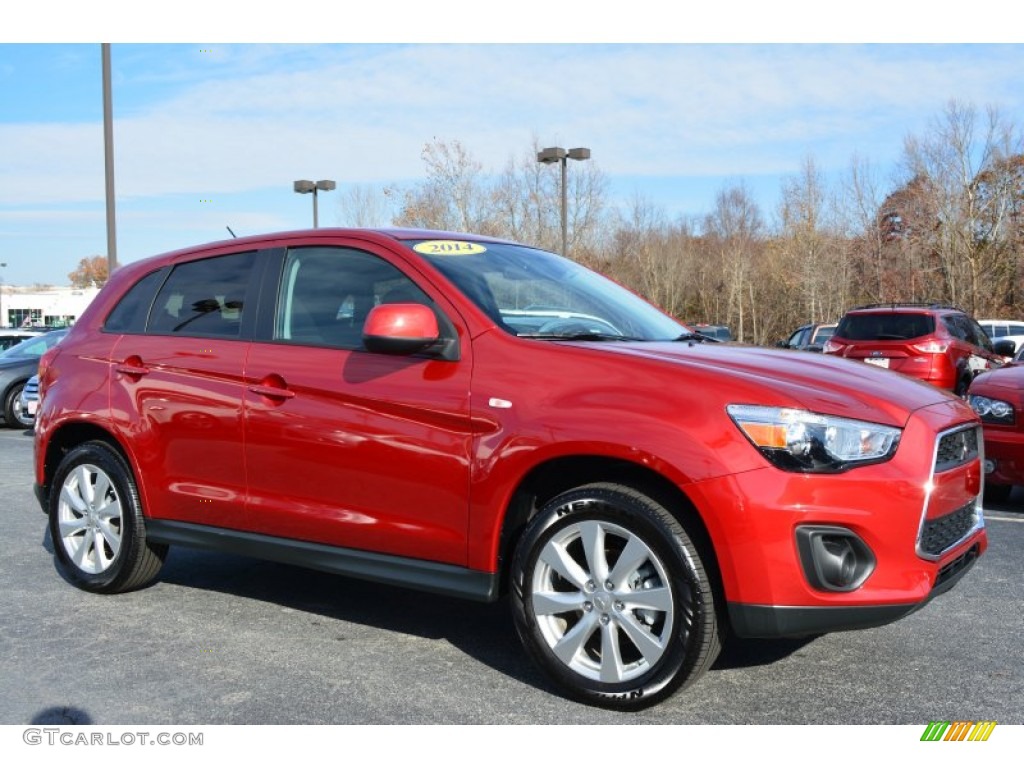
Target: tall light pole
{"points": [[304, 186], [3, 317], [108, 154], [558, 155]]}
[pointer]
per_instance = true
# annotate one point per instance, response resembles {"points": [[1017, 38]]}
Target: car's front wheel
{"points": [[997, 494], [97, 525], [12, 409], [612, 598]]}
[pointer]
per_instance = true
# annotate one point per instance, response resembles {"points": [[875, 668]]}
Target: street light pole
{"points": [[108, 162], [558, 155], [304, 186]]}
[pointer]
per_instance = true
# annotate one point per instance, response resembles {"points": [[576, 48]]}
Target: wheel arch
{"points": [[557, 475], [72, 434]]}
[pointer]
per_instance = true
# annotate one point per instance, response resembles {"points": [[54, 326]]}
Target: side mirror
{"points": [[400, 329], [1004, 347]]}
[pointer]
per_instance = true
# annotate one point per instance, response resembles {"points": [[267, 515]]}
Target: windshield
{"points": [[534, 293], [34, 346]]}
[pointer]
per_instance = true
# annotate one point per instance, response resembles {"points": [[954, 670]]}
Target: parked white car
{"points": [[1005, 329]]}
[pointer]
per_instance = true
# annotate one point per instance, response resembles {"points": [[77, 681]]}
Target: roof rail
{"points": [[899, 304]]}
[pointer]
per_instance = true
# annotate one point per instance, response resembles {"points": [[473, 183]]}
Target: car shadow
{"points": [[740, 653], [483, 631]]}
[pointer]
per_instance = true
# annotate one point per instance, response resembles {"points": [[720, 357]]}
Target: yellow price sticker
{"points": [[448, 248]]}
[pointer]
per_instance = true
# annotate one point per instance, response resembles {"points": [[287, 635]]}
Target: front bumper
{"points": [[1004, 450], [916, 522], [793, 621]]}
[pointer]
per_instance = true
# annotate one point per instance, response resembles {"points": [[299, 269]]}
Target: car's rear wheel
{"points": [[97, 525], [612, 598]]}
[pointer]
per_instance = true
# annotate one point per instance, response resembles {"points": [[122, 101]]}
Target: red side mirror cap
{"points": [[400, 329]]}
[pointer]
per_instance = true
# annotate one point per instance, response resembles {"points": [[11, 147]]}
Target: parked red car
{"points": [[998, 398], [384, 404], [936, 343]]}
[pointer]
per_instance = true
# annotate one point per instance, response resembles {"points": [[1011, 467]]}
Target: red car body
{"points": [[1003, 431], [424, 469]]}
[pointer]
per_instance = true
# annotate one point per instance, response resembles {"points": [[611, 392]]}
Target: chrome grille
{"points": [[940, 534], [956, 448]]}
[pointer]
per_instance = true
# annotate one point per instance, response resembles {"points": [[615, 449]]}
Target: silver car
{"points": [[28, 401]]}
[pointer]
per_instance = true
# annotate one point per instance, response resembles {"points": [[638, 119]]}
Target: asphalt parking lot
{"points": [[227, 640]]}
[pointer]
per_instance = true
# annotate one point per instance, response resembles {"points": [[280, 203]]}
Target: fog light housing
{"points": [[834, 559], [990, 466]]}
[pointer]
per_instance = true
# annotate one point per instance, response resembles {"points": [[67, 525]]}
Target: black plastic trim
{"points": [[423, 575], [796, 621], [789, 621]]}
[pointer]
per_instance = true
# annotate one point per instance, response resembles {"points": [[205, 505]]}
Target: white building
{"points": [[43, 306]]}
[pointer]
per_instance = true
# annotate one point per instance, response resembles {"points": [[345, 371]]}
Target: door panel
{"points": [[347, 447]]}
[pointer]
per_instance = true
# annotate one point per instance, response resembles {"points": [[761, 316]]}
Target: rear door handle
{"points": [[132, 366]]}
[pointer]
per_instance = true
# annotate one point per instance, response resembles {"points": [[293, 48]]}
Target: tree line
{"points": [[946, 226]]}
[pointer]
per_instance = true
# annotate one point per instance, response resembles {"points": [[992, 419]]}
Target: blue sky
{"points": [[211, 135]]}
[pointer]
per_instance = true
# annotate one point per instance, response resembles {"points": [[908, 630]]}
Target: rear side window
{"points": [[129, 316], [204, 298], [894, 326]]}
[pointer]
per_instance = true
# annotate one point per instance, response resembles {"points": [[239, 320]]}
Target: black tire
{"points": [[97, 524], [631, 642], [997, 494], [963, 384], [12, 413]]}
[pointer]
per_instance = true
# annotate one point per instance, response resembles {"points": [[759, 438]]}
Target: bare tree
{"points": [[734, 230], [453, 196], [964, 167], [365, 206]]}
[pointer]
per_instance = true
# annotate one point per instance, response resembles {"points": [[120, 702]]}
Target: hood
{"points": [[787, 378], [1007, 377]]}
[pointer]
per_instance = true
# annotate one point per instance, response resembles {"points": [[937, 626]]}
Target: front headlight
{"points": [[992, 411], [801, 441]]}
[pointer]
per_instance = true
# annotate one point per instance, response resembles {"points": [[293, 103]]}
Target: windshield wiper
{"points": [[700, 338], [579, 336]]}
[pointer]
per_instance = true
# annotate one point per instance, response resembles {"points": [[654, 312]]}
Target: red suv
{"points": [[936, 343], [476, 417]]}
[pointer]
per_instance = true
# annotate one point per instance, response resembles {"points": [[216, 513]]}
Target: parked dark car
{"points": [[937, 343], [11, 336], [715, 332], [383, 404], [17, 365], [810, 337]]}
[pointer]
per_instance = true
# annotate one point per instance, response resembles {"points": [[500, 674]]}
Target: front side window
{"points": [[204, 298], [326, 294]]}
